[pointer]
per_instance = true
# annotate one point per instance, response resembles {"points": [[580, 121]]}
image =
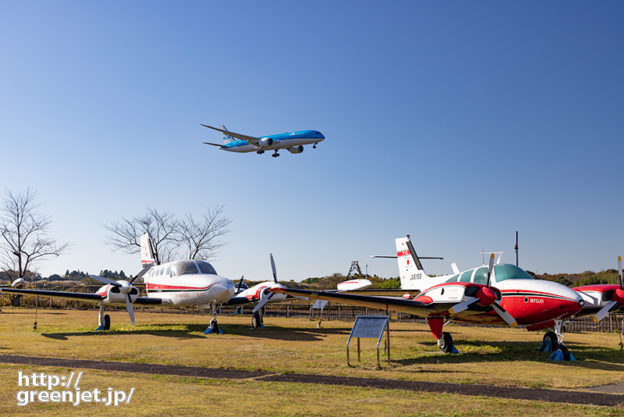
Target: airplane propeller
{"points": [[125, 287], [616, 299], [240, 283], [486, 297], [267, 297]]}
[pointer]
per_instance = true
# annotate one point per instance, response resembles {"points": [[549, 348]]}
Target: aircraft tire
{"points": [[107, 322], [554, 341], [445, 343], [564, 350], [256, 321]]}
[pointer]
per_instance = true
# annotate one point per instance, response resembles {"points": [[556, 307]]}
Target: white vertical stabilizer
{"points": [[413, 277], [147, 254]]}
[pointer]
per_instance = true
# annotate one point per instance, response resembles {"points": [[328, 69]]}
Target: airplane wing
{"points": [[84, 296], [234, 301], [60, 294], [411, 306], [220, 146], [251, 139]]}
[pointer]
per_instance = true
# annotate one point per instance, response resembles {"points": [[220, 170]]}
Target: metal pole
{"points": [[516, 248]]}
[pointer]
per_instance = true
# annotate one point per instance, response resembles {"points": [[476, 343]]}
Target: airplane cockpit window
{"points": [[206, 268], [508, 271], [185, 267]]}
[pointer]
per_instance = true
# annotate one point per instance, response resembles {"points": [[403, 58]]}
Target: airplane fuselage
{"points": [[288, 140]]}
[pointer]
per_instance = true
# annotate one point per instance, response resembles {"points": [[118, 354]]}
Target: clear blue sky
{"points": [[456, 122]]}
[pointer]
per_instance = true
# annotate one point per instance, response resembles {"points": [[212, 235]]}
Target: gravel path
{"points": [[535, 394]]}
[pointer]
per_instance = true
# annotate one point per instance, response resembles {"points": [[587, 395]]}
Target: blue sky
{"points": [[456, 122]]}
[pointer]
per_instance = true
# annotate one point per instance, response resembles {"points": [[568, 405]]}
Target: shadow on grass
{"points": [[587, 356], [195, 331]]}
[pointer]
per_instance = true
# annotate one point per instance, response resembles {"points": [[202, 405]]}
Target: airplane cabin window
{"points": [[453, 278], [480, 277], [465, 277]]}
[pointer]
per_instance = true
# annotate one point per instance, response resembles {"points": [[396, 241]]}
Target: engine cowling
{"points": [[115, 294], [296, 149], [265, 142]]}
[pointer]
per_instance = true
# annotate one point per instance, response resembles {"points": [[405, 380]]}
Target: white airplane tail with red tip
{"points": [[413, 277], [147, 253]]}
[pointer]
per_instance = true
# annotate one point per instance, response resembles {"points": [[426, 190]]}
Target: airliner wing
{"points": [[251, 139], [219, 145]]}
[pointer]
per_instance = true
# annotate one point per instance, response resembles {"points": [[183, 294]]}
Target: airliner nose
{"points": [[320, 136]]}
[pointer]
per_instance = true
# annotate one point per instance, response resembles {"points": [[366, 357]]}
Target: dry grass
{"points": [[179, 396], [489, 356]]}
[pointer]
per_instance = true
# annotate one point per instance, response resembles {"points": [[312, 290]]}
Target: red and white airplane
{"points": [[602, 299], [488, 294], [178, 283], [259, 295]]}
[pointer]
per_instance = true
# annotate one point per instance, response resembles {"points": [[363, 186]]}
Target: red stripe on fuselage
{"points": [[152, 286]]}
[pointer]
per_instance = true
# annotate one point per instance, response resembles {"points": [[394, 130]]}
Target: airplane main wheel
{"points": [[256, 320], [106, 322], [445, 343], [554, 341], [564, 350]]}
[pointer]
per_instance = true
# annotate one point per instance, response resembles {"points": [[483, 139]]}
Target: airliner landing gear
{"points": [[256, 320], [314, 146], [260, 152], [213, 327], [275, 155], [103, 320]]}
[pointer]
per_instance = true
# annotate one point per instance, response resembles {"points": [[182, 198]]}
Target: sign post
{"points": [[370, 327]]}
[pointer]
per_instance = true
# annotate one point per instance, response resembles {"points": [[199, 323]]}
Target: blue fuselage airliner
{"points": [[292, 141]]}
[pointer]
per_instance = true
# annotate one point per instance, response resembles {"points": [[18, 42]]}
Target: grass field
{"points": [[507, 357]]}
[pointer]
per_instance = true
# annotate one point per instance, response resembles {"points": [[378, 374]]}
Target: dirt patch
{"points": [[534, 394]]}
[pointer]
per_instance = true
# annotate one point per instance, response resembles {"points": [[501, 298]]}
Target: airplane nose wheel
{"points": [[314, 146], [445, 343], [213, 327]]}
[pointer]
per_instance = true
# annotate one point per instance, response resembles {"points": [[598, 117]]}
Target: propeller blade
{"points": [[509, 319], [262, 302], [238, 287], [620, 271], [105, 280], [464, 305], [490, 269], [130, 308], [604, 311], [273, 268]]}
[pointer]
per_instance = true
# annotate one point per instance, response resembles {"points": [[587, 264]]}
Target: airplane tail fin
{"points": [[147, 252], [410, 269], [226, 138]]}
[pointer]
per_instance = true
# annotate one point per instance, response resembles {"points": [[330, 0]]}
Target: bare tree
{"points": [[161, 226], [201, 239], [24, 234]]}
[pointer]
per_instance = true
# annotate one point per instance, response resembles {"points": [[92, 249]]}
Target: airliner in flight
{"points": [[292, 141]]}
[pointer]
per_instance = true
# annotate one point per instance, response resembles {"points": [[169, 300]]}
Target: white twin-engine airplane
{"points": [[489, 294], [292, 141], [178, 283]]}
